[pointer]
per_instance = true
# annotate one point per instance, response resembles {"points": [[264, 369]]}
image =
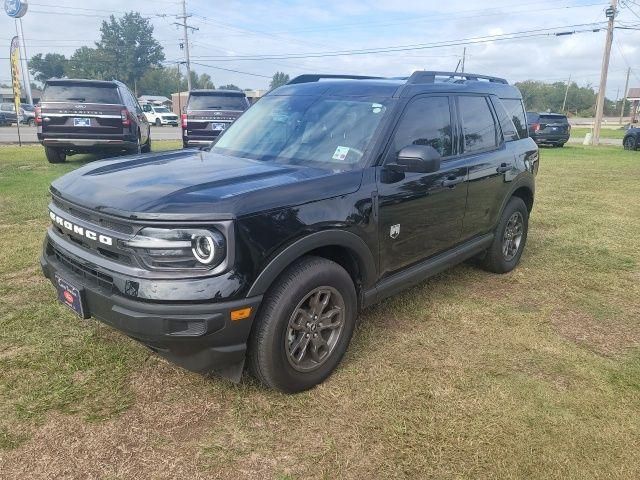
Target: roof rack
{"points": [[308, 78], [430, 77]]}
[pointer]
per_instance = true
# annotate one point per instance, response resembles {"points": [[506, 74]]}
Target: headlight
{"points": [[170, 249]]}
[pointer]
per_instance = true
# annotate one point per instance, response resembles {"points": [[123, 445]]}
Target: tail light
{"points": [[38, 116], [536, 127], [126, 120], [184, 120]]}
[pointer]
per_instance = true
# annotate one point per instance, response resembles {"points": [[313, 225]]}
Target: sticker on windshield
{"points": [[376, 107], [341, 153]]}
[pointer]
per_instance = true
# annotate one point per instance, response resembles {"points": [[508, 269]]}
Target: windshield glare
{"points": [[301, 130]]}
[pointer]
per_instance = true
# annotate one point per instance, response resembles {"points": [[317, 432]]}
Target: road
{"points": [[28, 134]]}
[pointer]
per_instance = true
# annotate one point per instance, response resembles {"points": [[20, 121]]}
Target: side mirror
{"points": [[418, 159]]}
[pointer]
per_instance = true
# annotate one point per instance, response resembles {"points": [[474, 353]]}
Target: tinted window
{"points": [[509, 132], [217, 102], [515, 109], [478, 126], [81, 94], [426, 121], [553, 119]]}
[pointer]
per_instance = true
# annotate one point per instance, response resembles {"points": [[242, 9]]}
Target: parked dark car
{"points": [[80, 116], [328, 195], [631, 140], [3, 120], [208, 113], [549, 128], [8, 111]]}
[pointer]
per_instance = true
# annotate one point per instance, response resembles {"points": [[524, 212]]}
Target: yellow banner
{"points": [[14, 57]]}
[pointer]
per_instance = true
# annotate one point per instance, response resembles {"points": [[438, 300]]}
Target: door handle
{"points": [[504, 167], [451, 181]]}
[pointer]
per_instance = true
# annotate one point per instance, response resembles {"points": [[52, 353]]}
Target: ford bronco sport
{"points": [[328, 195], [80, 116]]}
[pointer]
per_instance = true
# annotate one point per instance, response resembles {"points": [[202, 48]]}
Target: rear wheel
{"points": [[510, 238], [630, 143], [31, 122], [55, 155], [304, 326]]}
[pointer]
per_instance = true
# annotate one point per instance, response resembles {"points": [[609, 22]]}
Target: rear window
{"points": [[217, 102], [81, 94], [553, 119]]}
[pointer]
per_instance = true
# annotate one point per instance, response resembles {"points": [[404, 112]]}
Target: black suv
{"points": [[208, 113], [549, 128], [80, 116], [328, 195]]}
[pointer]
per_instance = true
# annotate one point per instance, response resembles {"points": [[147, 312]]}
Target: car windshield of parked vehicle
{"points": [[161, 110], [82, 94], [305, 130], [27, 107], [217, 102]]}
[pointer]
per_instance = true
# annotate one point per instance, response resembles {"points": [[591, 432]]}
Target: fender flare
{"points": [[324, 238]]}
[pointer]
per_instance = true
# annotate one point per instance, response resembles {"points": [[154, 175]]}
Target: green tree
{"points": [[89, 63], [51, 65], [128, 48], [160, 81], [278, 79], [230, 86]]}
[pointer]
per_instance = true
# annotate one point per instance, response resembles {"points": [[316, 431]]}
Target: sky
{"points": [[236, 41]]}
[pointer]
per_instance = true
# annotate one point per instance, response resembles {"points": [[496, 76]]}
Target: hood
{"points": [[197, 185]]}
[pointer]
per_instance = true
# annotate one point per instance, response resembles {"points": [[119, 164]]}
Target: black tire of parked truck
{"points": [[55, 155], [510, 238], [304, 325]]}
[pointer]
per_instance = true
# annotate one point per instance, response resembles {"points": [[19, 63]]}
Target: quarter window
{"points": [[478, 124], [516, 110], [427, 121]]}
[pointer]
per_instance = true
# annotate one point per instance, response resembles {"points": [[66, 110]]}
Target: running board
{"points": [[413, 275]]}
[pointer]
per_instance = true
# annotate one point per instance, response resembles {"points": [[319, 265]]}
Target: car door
{"points": [[489, 159], [421, 214]]}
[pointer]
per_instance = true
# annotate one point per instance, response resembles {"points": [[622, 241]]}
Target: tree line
{"points": [[127, 51]]}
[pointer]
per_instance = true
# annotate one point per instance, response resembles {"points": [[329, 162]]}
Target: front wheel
{"points": [[158, 122], [304, 326], [510, 238], [55, 155], [630, 143]]}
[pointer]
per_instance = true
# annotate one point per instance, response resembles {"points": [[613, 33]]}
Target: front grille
{"points": [[93, 217], [92, 276]]}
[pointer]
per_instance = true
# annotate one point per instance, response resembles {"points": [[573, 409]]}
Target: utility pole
{"points": [[624, 95], [464, 57], [566, 92], [611, 15], [186, 28]]}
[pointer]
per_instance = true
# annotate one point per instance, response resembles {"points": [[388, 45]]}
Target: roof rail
{"points": [[308, 78], [430, 77]]}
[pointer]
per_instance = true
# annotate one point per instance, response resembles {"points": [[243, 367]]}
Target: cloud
{"points": [[232, 28]]}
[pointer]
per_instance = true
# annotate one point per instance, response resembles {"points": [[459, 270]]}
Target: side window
{"points": [[509, 132], [478, 124], [426, 121], [146, 107], [515, 108]]}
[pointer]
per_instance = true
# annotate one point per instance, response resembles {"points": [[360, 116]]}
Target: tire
{"points": [[146, 148], [31, 122], [55, 155], [630, 143], [276, 329], [158, 122], [500, 257]]}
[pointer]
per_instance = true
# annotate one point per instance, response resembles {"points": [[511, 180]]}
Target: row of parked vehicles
{"points": [[82, 116], [8, 115]]}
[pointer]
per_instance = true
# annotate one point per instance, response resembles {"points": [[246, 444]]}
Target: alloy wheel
{"points": [[512, 237]]}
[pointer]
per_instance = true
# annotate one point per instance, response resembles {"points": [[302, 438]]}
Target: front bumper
{"points": [[200, 337]]}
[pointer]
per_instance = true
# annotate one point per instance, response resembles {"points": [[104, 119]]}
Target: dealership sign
{"points": [[16, 8]]}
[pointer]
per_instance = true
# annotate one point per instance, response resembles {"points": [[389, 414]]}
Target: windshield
{"points": [[80, 93], [304, 130], [217, 102], [27, 107], [161, 109]]}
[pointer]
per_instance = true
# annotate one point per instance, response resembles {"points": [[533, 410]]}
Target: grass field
{"points": [[534, 374], [613, 133]]}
